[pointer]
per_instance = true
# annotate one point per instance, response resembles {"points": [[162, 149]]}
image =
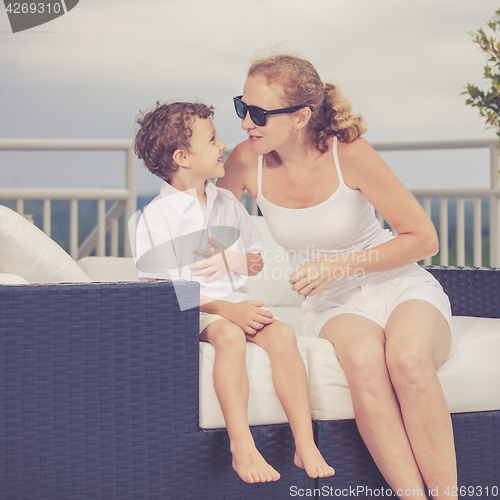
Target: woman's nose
{"points": [[247, 122]]}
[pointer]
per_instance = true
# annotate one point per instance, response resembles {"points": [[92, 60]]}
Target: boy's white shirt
{"points": [[176, 222]]}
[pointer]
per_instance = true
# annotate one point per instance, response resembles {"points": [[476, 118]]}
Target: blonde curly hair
{"points": [[332, 112]]}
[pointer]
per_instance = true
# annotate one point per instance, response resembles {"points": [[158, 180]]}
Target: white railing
{"points": [[125, 200], [460, 194]]}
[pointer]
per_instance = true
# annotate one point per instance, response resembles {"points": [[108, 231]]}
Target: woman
{"points": [[316, 181]]}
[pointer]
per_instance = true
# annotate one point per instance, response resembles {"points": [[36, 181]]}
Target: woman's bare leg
{"points": [[360, 346], [418, 342], [290, 382], [231, 387]]}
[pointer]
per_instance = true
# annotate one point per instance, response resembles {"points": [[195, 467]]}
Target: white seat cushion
{"points": [[264, 406], [12, 279], [470, 376]]}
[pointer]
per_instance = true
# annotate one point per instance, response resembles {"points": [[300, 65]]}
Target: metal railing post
{"points": [[494, 207], [131, 207]]}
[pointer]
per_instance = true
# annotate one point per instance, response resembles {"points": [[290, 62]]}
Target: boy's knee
{"points": [[283, 336], [229, 335]]}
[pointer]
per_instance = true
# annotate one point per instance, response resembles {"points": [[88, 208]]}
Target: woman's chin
{"points": [[256, 146]]}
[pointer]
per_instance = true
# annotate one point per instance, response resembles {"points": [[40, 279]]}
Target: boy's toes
{"points": [[251, 466], [313, 463]]}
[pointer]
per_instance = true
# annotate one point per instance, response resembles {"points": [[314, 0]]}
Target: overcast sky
{"points": [[88, 73]]}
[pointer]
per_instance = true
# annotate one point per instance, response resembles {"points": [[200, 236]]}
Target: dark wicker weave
{"points": [[473, 291], [99, 401]]}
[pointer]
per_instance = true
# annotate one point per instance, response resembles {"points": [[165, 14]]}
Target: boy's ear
{"points": [[180, 157]]}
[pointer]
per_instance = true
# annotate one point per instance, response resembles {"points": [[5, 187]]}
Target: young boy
{"points": [[205, 234]]}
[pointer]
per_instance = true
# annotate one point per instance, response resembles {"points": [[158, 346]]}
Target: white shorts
{"points": [[378, 297], [206, 319]]}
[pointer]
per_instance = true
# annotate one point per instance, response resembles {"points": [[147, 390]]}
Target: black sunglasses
{"points": [[259, 115]]}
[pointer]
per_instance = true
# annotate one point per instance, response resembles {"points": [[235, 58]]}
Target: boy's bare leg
{"points": [[290, 382], [231, 386]]}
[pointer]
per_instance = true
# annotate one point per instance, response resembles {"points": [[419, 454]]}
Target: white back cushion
{"points": [[109, 268], [271, 285]]}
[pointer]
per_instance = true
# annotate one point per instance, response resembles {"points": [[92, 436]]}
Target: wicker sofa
{"points": [[100, 400]]}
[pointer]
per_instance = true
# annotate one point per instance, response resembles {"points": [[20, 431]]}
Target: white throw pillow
{"points": [[12, 279], [109, 268], [28, 252]]}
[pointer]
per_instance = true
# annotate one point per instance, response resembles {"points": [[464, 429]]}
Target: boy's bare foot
{"points": [[310, 459], [251, 466]]}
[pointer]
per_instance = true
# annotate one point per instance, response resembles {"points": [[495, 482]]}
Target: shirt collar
{"points": [[211, 191], [181, 200]]}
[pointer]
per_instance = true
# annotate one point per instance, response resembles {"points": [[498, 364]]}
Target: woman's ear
{"points": [[304, 115], [180, 157]]}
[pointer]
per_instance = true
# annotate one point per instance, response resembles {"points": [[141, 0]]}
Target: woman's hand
{"points": [[248, 315], [219, 261], [318, 274]]}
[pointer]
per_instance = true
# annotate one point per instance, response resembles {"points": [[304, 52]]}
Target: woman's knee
{"points": [[409, 366]]}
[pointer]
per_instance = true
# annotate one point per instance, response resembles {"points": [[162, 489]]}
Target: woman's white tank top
{"points": [[345, 222]]}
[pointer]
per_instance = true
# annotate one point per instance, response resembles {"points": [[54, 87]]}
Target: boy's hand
{"points": [[219, 261], [248, 315]]}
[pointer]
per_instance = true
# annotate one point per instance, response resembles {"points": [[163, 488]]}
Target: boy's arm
{"points": [[220, 261], [248, 315]]}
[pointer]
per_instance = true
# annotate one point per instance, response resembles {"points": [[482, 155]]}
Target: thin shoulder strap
{"points": [[259, 174], [336, 160]]}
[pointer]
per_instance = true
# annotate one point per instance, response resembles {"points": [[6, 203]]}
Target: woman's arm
{"points": [[416, 236]]}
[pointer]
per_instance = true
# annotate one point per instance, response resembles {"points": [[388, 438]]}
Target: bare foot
{"points": [[251, 466], [310, 459]]}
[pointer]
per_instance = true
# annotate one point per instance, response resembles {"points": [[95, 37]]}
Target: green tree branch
{"points": [[488, 101]]}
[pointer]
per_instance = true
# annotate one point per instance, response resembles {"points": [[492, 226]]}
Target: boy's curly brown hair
{"points": [[165, 129]]}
